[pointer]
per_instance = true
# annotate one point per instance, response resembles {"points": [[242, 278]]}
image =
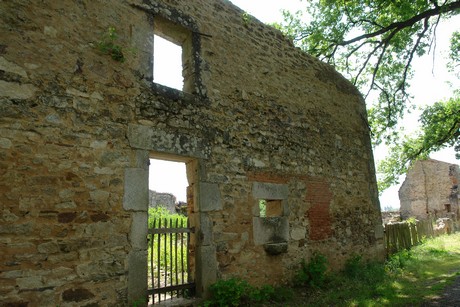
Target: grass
{"points": [[407, 279], [170, 260]]}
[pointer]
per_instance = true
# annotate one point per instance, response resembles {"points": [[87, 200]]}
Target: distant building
{"points": [[430, 190], [167, 200]]}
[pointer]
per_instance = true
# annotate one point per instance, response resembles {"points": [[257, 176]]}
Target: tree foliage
{"points": [[373, 43], [454, 63], [440, 127]]}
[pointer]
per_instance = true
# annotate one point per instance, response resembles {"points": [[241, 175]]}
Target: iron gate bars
{"points": [[169, 245]]}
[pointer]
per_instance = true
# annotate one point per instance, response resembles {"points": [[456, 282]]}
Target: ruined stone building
{"points": [[430, 190], [166, 200], [257, 120]]}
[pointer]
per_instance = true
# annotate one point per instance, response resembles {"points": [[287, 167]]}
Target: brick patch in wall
{"points": [[319, 196]]}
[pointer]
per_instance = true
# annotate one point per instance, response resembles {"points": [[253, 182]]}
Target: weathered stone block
{"points": [[99, 196], [16, 91], [142, 159], [263, 190], [150, 138], [136, 193], [138, 235], [204, 231], [48, 248], [210, 199], [206, 268], [137, 276], [298, 233], [31, 282], [379, 231], [270, 230]]}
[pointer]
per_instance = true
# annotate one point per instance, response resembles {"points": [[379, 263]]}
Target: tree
{"points": [[373, 43], [440, 128]]}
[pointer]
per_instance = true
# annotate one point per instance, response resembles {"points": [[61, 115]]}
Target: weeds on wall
{"points": [[107, 45], [246, 18], [408, 278]]}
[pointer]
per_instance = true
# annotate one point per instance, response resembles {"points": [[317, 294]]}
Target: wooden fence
{"points": [[403, 235]]}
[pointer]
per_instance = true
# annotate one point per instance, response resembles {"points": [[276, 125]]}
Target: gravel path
{"points": [[450, 297]]}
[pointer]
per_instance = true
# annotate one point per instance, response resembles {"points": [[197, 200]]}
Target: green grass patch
{"points": [[408, 278], [168, 251]]}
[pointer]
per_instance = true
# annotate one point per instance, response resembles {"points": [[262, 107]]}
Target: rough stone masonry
{"points": [[430, 190], [257, 119]]}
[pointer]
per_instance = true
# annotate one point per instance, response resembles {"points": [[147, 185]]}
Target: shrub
{"points": [[160, 212], [229, 292], [398, 261], [312, 274], [354, 267], [238, 292]]}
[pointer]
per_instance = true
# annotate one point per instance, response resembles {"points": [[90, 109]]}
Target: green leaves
{"points": [[238, 292], [373, 44], [454, 54], [440, 128], [107, 45], [313, 273]]}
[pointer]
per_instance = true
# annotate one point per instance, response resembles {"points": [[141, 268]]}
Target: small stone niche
{"points": [[270, 220]]}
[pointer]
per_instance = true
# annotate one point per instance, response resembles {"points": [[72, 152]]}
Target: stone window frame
{"points": [[183, 38], [272, 232], [270, 207], [180, 29]]}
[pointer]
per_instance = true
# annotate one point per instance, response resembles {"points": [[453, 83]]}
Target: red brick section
{"points": [[319, 197]]}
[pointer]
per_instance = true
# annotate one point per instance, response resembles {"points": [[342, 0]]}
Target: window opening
{"points": [[448, 207], [167, 63], [270, 208], [173, 62], [169, 273]]}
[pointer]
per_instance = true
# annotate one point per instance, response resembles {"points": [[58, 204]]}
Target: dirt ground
{"points": [[450, 296]]}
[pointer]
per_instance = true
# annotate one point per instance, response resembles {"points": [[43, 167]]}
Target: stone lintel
{"points": [[263, 190], [151, 138]]}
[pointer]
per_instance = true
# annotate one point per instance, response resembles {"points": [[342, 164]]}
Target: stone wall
{"points": [[162, 199], [258, 119], [430, 190], [391, 217]]}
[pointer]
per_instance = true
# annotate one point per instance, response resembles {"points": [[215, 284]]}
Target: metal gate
{"points": [[169, 265]]}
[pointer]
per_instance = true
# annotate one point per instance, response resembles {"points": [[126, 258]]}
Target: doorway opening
{"points": [[170, 234]]}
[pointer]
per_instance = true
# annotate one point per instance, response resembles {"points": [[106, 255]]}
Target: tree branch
{"points": [[406, 23], [402, 86]]}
